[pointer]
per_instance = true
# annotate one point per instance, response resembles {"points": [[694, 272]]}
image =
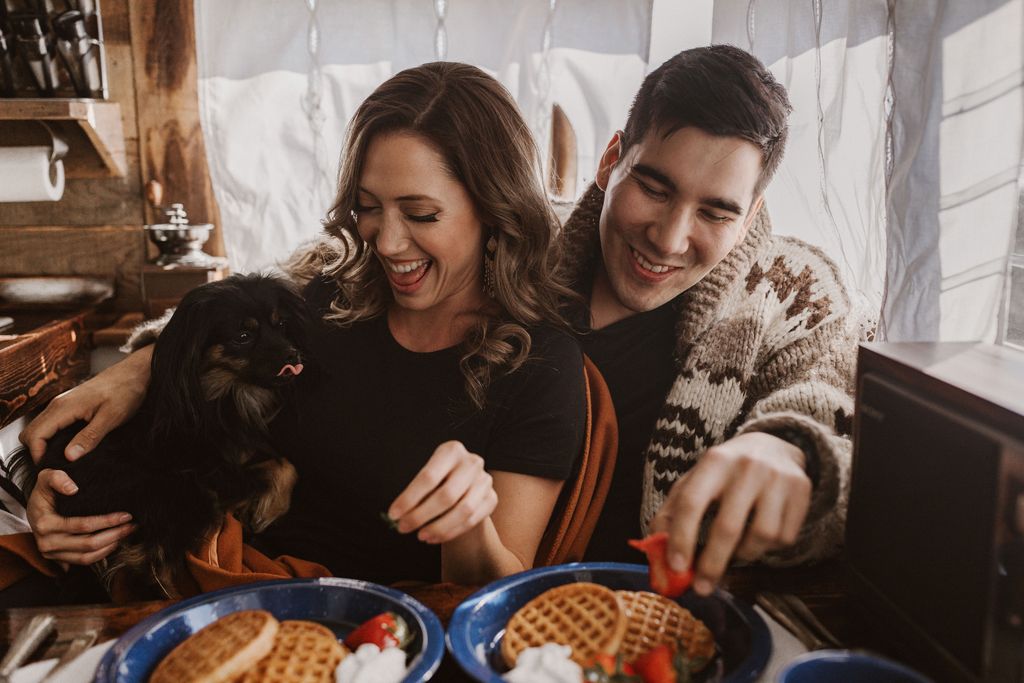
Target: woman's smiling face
{"points": [[422, 225]]}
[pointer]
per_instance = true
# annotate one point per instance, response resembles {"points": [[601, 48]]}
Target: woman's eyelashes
{"points": [[423, 218], [360, 209]]}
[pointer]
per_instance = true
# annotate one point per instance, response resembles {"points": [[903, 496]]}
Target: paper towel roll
{"points": [[26, 175]]}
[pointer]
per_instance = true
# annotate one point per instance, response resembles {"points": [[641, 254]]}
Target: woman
{"points": [[447, 398]]}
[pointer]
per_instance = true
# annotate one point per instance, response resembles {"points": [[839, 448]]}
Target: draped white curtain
{"points": [[905, 154], [905, 151], [279, 80]]}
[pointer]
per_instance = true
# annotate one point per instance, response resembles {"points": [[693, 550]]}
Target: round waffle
{"points": [[654, 619], [587, 617], [304, 652], [221, 651]]}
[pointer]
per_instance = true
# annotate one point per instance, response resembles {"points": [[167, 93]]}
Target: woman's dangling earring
{"points": [[489, 251]]}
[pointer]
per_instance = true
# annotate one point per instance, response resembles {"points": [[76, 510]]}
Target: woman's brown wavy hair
{"points": [[473, 122]]}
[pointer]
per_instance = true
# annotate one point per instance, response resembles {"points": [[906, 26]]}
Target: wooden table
{"points": [[50, 354], [820, 586]]}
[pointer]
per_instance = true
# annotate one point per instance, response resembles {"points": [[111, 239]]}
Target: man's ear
{"points": [[611, 155], [755, 208]]}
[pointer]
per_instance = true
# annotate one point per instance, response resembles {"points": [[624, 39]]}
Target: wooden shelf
{"points": [[92, 127]]}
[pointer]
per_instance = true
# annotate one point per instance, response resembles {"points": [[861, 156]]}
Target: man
{"points": [[727, 350]]}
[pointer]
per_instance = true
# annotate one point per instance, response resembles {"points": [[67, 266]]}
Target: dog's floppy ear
{"points": [[299, 314], [178, 363]]}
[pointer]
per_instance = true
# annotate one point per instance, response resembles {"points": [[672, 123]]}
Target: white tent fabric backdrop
{"points": [[905, 154], [905, 148], [273, 141]]}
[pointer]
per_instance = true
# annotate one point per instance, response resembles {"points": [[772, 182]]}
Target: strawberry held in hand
{"points": [[664, 580], [385, 630]]}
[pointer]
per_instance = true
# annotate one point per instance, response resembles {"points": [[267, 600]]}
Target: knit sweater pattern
{"points": [[766, 342]]}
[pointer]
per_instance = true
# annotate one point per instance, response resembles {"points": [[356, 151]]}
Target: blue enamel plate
{"points": [[339, 604], [478, 624]]}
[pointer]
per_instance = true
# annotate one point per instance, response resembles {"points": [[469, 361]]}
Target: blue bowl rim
{"points": [[462, 651], [851, 655], [424, 665]]}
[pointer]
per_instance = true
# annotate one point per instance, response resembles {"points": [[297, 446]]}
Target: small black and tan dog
{"points": [[199, 446]]}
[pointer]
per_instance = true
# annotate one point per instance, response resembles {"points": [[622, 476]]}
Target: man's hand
{"points": [[106, 401], [756, 478], [71, 540]]}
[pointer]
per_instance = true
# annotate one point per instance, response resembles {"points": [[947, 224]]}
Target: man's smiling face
{"points": [[674, 207]]}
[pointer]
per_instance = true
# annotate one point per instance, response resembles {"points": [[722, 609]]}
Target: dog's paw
{"points": [[275, 501]]}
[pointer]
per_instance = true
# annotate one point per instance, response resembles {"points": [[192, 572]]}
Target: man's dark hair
{"points": [[721, 90]]}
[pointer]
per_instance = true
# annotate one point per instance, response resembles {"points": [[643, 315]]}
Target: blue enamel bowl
{"points": [[478, 624], [339, 604], [851, 667]]}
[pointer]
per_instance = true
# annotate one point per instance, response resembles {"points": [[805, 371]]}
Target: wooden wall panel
{"points": [[99, 200], [105, 251], [96, 228], [172, 150]]}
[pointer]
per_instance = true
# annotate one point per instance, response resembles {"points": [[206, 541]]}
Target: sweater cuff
{"points": [[813, 438], [800, 439], [147, 333]]}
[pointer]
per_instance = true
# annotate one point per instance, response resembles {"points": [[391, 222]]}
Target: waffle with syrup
{"points": [[654, 620], [303, 652], [220, 652], [586, 616]]}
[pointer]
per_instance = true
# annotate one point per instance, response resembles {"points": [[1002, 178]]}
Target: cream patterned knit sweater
{"points": [[766, 342]]}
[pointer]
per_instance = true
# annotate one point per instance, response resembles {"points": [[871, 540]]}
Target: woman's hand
{"points": [[455, 501], [71, 540], [452, 494], [106, 401]]}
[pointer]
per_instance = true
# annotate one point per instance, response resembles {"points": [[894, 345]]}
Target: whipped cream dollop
{"points": [[549, 663], [370, 664]]}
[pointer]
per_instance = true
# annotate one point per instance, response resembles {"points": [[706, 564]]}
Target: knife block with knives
{"points": [[52, 48]]}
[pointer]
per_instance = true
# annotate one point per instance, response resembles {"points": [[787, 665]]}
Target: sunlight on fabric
{"points": [[928, 234], [980, 154], [278, 88], [830, 188]]}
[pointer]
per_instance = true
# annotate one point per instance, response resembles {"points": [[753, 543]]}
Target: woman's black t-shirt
{"points": [[368, 414]]}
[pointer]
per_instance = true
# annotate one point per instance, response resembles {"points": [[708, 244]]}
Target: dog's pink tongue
{"points": [[290, 370]]}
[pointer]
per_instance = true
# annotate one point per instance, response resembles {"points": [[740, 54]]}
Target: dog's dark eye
{"points": [[281, 323], [243, 337]]}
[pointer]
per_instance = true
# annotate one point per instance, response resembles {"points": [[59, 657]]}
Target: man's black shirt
{"points": [[636, 356]]}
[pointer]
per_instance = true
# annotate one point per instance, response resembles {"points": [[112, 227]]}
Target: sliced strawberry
{"points": [[605, 668], [387, 629], [664, 580], [657, 666]]}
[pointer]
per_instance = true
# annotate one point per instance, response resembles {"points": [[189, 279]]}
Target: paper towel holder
{"points": [[58, 148], [92, 128]]}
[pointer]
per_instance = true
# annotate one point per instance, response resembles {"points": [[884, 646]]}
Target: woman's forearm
{"points": [[479, 556]]}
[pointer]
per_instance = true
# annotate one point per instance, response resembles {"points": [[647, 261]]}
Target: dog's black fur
{"points": [[198, 447]]}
